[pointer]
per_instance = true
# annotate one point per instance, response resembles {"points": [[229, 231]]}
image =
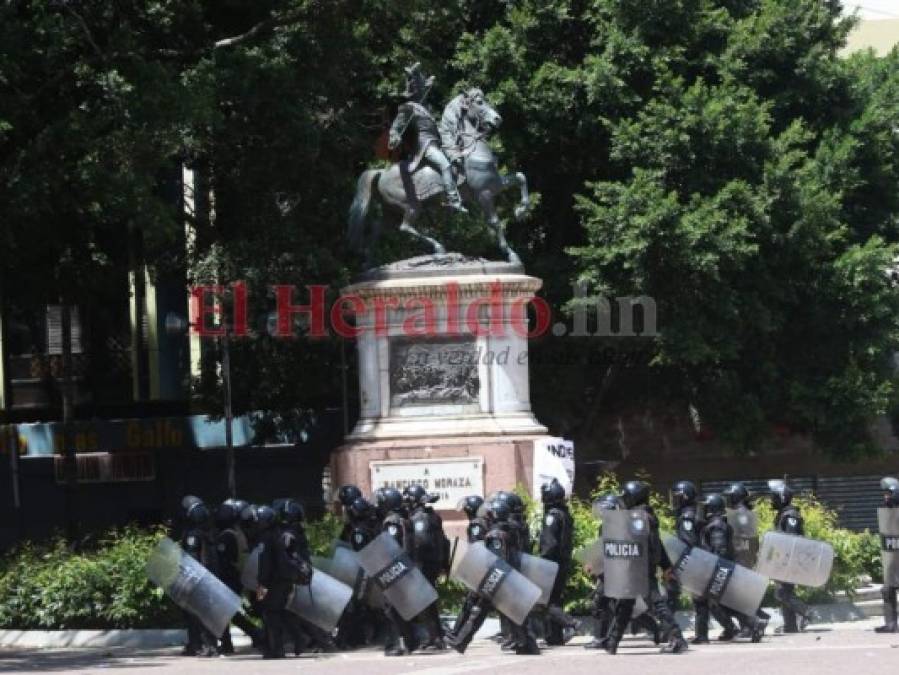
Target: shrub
{"points": [[48, 586]]}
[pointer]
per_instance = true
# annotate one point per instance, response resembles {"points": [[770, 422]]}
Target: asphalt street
{"points": [[840, 648]]}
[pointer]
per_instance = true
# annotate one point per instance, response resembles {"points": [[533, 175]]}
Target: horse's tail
{"points": [[359, 207]]}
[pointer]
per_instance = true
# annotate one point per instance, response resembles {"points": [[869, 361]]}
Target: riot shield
{"points": [[888, 521], [745, 523], [404, 586], [542, 572], [705, 575], [625, 549], [192, 587], [792, 559], [506, 588], [591, 558], [322, 602], [249, 575]]}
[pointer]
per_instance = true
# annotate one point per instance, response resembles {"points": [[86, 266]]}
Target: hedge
{"points": [[48, 586]]}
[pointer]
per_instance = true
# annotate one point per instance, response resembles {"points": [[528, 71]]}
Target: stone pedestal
{"points": [[443, 376]]}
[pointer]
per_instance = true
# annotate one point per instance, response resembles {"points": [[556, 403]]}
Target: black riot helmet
{"points": [[635, 493], [198, 515], [228, 513], [392, 500], [606, 502], [781, 493], [736, 495], [264, 518], [515, 503], [499, 511], [418, 496], [683, 494], [470, 505], [714, 505], [347, 494], [289, 512], [360, 509], [187, 501], [552, 493], [890, 487], [247, 518], [377, 499]]}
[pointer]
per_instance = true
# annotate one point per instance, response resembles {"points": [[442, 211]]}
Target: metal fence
{"points": [[854, 498]]}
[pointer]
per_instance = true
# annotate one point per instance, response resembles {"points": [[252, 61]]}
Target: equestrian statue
{"points": [[450, 161]]}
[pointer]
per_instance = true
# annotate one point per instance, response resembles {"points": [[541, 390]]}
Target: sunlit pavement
{"points": [[840, 648]]}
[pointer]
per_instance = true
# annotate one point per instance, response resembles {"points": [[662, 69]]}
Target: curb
{"points": [[838, 612], [132, 638]]}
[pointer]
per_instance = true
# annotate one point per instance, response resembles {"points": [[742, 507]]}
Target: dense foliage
{"points": [[718, 155]]}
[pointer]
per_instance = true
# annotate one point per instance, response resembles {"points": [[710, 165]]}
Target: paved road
{"points": [[847, 649]]}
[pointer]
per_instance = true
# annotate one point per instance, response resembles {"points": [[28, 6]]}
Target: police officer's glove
{"points": [[305, 576]]}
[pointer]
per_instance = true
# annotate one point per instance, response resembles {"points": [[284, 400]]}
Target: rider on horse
{"points": [[414, 117]]}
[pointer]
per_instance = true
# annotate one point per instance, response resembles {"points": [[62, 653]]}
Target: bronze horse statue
{"points": [[474, 121]]}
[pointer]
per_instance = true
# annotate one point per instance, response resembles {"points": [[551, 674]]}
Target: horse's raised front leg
{"points": [[485, 199], [407, 226], [521, 181]]}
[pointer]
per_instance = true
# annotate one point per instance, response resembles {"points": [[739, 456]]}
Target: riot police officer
{"points": [[198, 541], [281, 566], [739, 501], [635, 495], [358, 623], [401, 639], [346, 495], [687, 527], [888, 531], [501, 541], [430, 551], [602, 607], [556, 544], [477, 526], [788, 519], [232, 547], [717, 538]]}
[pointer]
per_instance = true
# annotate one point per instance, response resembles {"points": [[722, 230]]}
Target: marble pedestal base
{"points": [[507, 461]]}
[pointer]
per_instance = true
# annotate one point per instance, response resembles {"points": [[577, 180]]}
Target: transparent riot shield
{"points": [[542, 572], [591, 558], [745, 523], [888, 521], [404, 586], [506, 588], [192, 587], [322, 602], [249, 575], [705, 575], [792, 559]]}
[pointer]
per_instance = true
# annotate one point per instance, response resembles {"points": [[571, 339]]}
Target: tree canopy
{"points": [[720, 156]]}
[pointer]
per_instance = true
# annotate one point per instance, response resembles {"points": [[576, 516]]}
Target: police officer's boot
{"points": [[600, 634], [616, 632], [701, 610], [647, 623], [889, 611], [525, 643], [676, 643], [274, 632], [461, 638]]}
